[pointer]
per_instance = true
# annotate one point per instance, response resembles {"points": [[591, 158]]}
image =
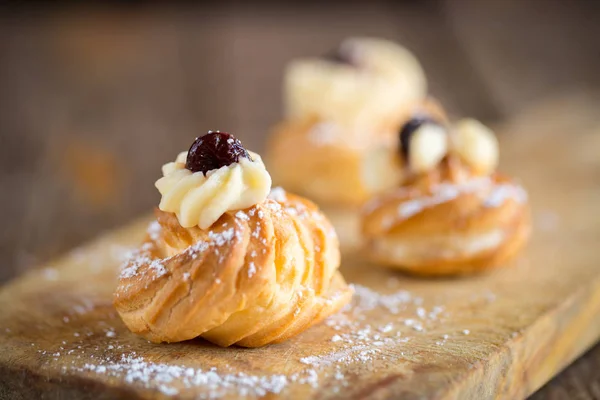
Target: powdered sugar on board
{"points": [[172, 379], [375, 328], [363, 333], [381, 328]]}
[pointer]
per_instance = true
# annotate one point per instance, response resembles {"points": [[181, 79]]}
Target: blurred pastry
{"points": [[338, 141], [228, 259], [341, 166], [361, 84], [454, 214]]}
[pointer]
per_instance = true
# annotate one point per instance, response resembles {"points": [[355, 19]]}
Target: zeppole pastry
{"points": [[228, 259], [455, 214], [341, 166], [338, 141]]}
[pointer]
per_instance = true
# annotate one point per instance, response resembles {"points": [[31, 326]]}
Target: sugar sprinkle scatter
{"points": [[278, 194], [360, 336], [141, 257], [492, 195], [154, 230], [172, 379]]}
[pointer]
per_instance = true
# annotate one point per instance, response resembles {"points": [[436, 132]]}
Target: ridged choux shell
{"points": [[256, 276], [447, 222]]}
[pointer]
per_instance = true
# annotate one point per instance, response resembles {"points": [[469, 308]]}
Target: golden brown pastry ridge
{"points": [[447, 222], [257, 276]]}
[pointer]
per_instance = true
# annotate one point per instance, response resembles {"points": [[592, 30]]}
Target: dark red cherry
{"points": [[213, 151], [408, 129]]}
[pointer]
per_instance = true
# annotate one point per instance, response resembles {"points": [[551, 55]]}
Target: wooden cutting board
{"points": [[494, 336]]}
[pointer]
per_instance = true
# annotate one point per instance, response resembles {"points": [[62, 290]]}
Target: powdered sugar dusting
{"points": [[251, 269], [442, 193], [504, 192], [368, 299], [375, 322], [242, 215], [141, 257], [159, 269], [493, 195], [278, 194], [377, 328], [273, 206], [139, 260], [172, 379], [130, 270], [222, 237], [154, 230]]}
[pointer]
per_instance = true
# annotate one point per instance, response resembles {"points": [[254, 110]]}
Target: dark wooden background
{"points": [[93, 99]]}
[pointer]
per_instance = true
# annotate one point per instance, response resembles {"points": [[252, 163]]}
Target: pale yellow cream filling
{"points": [[199, 200]]}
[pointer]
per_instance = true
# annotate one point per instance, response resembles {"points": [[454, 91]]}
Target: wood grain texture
{"points": [[501, 335]]}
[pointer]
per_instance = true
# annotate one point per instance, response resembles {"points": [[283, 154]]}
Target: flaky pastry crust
{"points": [[448, 222], [257, 276]]}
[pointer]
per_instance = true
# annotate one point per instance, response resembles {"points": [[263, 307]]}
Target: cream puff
{"points": [[228, 259], [454, 214]]}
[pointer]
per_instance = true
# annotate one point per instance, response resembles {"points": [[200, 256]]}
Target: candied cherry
{"points": [[213, 151]]}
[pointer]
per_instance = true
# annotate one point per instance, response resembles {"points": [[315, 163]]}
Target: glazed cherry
{"points": [[408, 129], [213, 151]]}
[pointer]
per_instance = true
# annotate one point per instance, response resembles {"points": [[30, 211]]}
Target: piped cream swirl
{"points": [[201, 200]]}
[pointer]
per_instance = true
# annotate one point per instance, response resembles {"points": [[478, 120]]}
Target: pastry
{"points": [[337, 143], [455, 214], [341, 166], [228, 259], [360, 84]]}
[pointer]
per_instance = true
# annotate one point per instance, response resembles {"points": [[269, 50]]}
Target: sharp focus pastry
{"points": [[341, 166], [454, 214], [364, 82], [228, 259]]}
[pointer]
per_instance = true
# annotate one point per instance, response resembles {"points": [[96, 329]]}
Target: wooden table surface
{"points": [[93, 101]]}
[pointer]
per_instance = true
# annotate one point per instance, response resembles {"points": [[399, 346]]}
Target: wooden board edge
{"points": [[534, 356]]}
